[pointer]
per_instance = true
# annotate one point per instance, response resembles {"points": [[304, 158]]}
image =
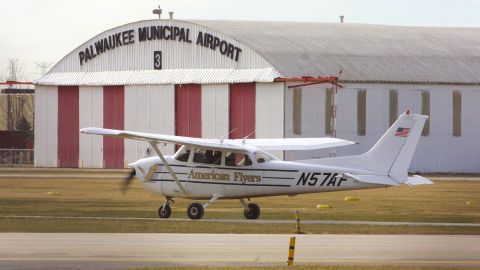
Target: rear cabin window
{"points": [[207, 156], [237, 159]]}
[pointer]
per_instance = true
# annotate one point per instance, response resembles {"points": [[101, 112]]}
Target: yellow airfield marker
{"points": [[53, 193], [324, 206], [291, 251], [352, 199], [469, 203]]}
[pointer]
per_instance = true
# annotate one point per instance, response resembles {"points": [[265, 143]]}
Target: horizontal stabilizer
{"points": [[418, 180], [374, 179]]}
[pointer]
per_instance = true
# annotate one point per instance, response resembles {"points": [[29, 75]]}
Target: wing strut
{"points": [[169, 169]]}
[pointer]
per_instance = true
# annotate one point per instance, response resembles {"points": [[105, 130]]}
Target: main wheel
{"points": [[195, 211], [253, 211], [164, 211]]}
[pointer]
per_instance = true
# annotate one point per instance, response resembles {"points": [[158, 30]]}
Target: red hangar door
{"points": [[68, 127], [113, 118], [242, 110]]}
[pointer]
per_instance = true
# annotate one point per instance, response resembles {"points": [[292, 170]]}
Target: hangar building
{"points": [[206, 78]]}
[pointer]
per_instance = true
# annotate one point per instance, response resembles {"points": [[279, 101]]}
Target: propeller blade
{"points": [[128, 181]]}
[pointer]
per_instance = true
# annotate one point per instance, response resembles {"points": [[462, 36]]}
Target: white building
{"points": [[206, 78]]}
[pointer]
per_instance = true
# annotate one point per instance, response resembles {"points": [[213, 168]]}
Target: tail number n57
{"points": [[321, 179]]}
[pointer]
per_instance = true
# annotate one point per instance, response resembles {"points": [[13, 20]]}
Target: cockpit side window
{"points": [[207, 156], [237, 159], [182, 154]]}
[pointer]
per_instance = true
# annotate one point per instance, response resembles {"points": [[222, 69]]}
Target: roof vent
{"points": [[158, 11], [171, 15], [341, 18]]}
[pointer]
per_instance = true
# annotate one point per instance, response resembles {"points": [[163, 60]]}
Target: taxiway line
{"points": [[264, 221]]}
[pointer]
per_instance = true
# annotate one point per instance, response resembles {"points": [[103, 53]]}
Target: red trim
{"points": [[242, 110], [307, 79], [15, 82], [68, 127], [188, 112], [113, 117]]}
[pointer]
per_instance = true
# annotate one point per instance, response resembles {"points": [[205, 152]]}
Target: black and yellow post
{"points": [[291, 251], [297, 222]]}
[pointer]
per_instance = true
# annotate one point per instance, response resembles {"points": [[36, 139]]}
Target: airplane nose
{"points": [[132, 165]]}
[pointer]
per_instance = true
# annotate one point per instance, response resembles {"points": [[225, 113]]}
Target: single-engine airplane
{"points": [[213, 169]]}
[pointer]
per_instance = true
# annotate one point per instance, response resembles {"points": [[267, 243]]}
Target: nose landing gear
{"points": [[165, 211]]}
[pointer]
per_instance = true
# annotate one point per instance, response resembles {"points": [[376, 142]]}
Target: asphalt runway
{"points": [[120, 251]]}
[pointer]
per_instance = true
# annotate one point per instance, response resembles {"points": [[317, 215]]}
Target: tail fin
{"points": [[391, 155]]}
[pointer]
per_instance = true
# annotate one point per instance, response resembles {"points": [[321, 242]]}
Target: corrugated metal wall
{"points": [[68, 126], [242, 110], [148, 108], [91, 115], [113, 118], [440, 151], [204, 109], [46, 126], [175, 54], [188, 112]]}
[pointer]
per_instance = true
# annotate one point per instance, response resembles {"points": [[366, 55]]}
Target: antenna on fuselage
{"points": [[224, 136], [244, 138]]}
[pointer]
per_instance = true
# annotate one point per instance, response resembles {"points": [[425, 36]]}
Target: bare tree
{"points": [[14, 70]]}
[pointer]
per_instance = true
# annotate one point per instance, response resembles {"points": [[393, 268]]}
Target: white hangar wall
{"points": [[439, 151], [146, 108]]}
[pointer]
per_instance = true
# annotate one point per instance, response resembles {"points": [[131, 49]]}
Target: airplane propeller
{"points": [[128, 181]]}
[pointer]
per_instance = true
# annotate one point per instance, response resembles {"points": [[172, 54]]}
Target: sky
{"points": [[43, 31]]}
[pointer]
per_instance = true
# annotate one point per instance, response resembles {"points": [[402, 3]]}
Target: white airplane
{"points": [[241, 169]]}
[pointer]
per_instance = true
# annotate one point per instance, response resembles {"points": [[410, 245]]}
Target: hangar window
{"points": [[393, 115], [426, 111], [328, 111], [297, 111], [457, 114], [361, 112]]}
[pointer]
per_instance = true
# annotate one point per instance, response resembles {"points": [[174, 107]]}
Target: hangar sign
{"points": [[162, 32]]}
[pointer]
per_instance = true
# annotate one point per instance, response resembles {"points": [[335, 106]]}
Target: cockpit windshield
{"points": [[182, 154]]}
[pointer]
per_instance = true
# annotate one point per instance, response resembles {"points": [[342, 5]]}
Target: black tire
{"points": [[253, 211], [164, 212], [195, 211]]}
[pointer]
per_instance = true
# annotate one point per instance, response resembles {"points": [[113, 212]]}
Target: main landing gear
{"points": [[251, 210], [196, 210]]}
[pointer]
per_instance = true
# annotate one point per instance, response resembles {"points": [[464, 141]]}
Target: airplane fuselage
{"points": [[270, 178]]}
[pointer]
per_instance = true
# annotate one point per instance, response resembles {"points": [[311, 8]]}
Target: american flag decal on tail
{"points": [[402, 132]]}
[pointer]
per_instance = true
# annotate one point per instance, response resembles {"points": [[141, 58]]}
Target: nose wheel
{"points": [[165, 211]]}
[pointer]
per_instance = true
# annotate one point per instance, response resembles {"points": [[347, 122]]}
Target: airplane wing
{"points": [[227, 144], [161, 138], [286, 144]]}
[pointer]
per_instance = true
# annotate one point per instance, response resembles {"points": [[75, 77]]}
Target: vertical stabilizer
{"points": [[391, 155]]}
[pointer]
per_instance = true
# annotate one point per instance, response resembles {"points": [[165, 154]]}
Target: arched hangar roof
{"points": [[364, 52], [263, 51]]}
